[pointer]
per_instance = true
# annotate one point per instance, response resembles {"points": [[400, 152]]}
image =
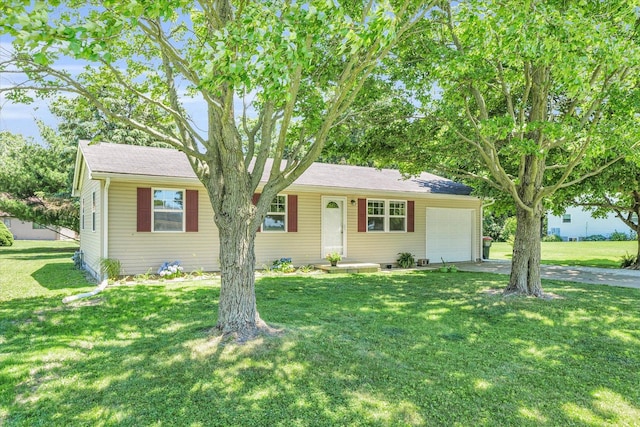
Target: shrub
{"points": [[111, 267], [283, 265], [552, 238], [406, 260], [509, 229], [619, 236], [170, 270], [6, 238], [627, 260], [595, 238]]}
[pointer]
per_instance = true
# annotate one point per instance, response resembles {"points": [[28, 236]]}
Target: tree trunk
{"points": [[237, 312], [525, 264]]}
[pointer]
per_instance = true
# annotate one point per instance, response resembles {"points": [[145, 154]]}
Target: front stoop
{"points": [[350, 267]]}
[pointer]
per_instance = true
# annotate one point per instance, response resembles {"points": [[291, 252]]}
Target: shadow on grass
{"points": [[401, 349], [42, 250], [591, 262], [54, 276]]}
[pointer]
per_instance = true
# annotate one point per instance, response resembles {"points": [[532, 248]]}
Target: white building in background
{"points": [[576, 224], [26, 230]]}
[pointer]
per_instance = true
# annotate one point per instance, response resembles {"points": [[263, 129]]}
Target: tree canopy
{"points": [[523, 98], [282, 72]]}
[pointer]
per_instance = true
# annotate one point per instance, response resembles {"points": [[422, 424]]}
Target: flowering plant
{"points": [[170, 270], [333, 257]]}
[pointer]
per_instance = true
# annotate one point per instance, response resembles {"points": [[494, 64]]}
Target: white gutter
{"points": [[105, 219]]}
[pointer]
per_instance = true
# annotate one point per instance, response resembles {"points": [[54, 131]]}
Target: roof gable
{"points": [[139, 161]]}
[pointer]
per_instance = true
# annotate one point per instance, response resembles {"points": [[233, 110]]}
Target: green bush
{"points": [[628, 260], [595, 238], [406, 260], [552, 238], [6, 238], [283, 265], [509, 229], [619, 236], [111, 267]]}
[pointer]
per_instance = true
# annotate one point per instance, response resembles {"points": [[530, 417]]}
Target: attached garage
{"points": [[450, 234]]}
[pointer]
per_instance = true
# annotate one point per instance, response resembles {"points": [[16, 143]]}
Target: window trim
{"points": [[387, 215], [285, 213], [153, 210]]}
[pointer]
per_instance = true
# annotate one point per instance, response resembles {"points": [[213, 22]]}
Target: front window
{"points": [[168, 210], [386, 215], [375, 215], [397, 216], [276, 219], [566, 218]]}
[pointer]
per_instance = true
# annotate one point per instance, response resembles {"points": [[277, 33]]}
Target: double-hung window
{"points": [[276, 219], [168, 210], [376, 210], [386, 215]]}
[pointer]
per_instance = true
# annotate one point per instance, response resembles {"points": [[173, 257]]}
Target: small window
{"points": [[36, 226], [332, 205], [7, 222], [93, 211], [375, 215], [82, 213], [276, 219], [168, 210], [566, 218], [634, 218]]}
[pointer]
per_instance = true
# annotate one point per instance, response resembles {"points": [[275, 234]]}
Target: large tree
{"points": [[35, 179], [526, 98], [296, 67]]}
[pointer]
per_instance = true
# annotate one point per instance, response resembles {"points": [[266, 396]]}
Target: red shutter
{"points": [[254, 200], [362, 215], [411, 216], [144, 209], [191, 211], [292, 213]]}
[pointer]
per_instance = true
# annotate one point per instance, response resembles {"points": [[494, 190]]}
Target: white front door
{"points": [[334, 222]]}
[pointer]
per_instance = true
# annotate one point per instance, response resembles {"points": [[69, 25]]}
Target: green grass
{"points": [[384, 349], [586, 254]]}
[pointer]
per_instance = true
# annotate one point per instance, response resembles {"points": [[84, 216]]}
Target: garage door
{"points": [[449, 234]]}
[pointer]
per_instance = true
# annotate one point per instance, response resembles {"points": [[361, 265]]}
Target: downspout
{"points": [[105, 220], [104, 225]]}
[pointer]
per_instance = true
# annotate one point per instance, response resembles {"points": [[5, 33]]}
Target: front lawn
{"points": [[383, 349], [586, 254]]}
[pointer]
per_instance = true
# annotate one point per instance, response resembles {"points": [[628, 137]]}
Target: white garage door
{"points": [[449, 234]]}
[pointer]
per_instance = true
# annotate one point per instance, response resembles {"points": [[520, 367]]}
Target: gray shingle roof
{"points": [[165, 162]]}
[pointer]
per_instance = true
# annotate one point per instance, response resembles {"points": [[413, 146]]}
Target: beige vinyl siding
{"points": [[383, 248], [91, 241], [303, 247], [140, 252]]}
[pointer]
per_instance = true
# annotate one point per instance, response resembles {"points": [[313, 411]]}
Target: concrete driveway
{"points": [[596, 276]]}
